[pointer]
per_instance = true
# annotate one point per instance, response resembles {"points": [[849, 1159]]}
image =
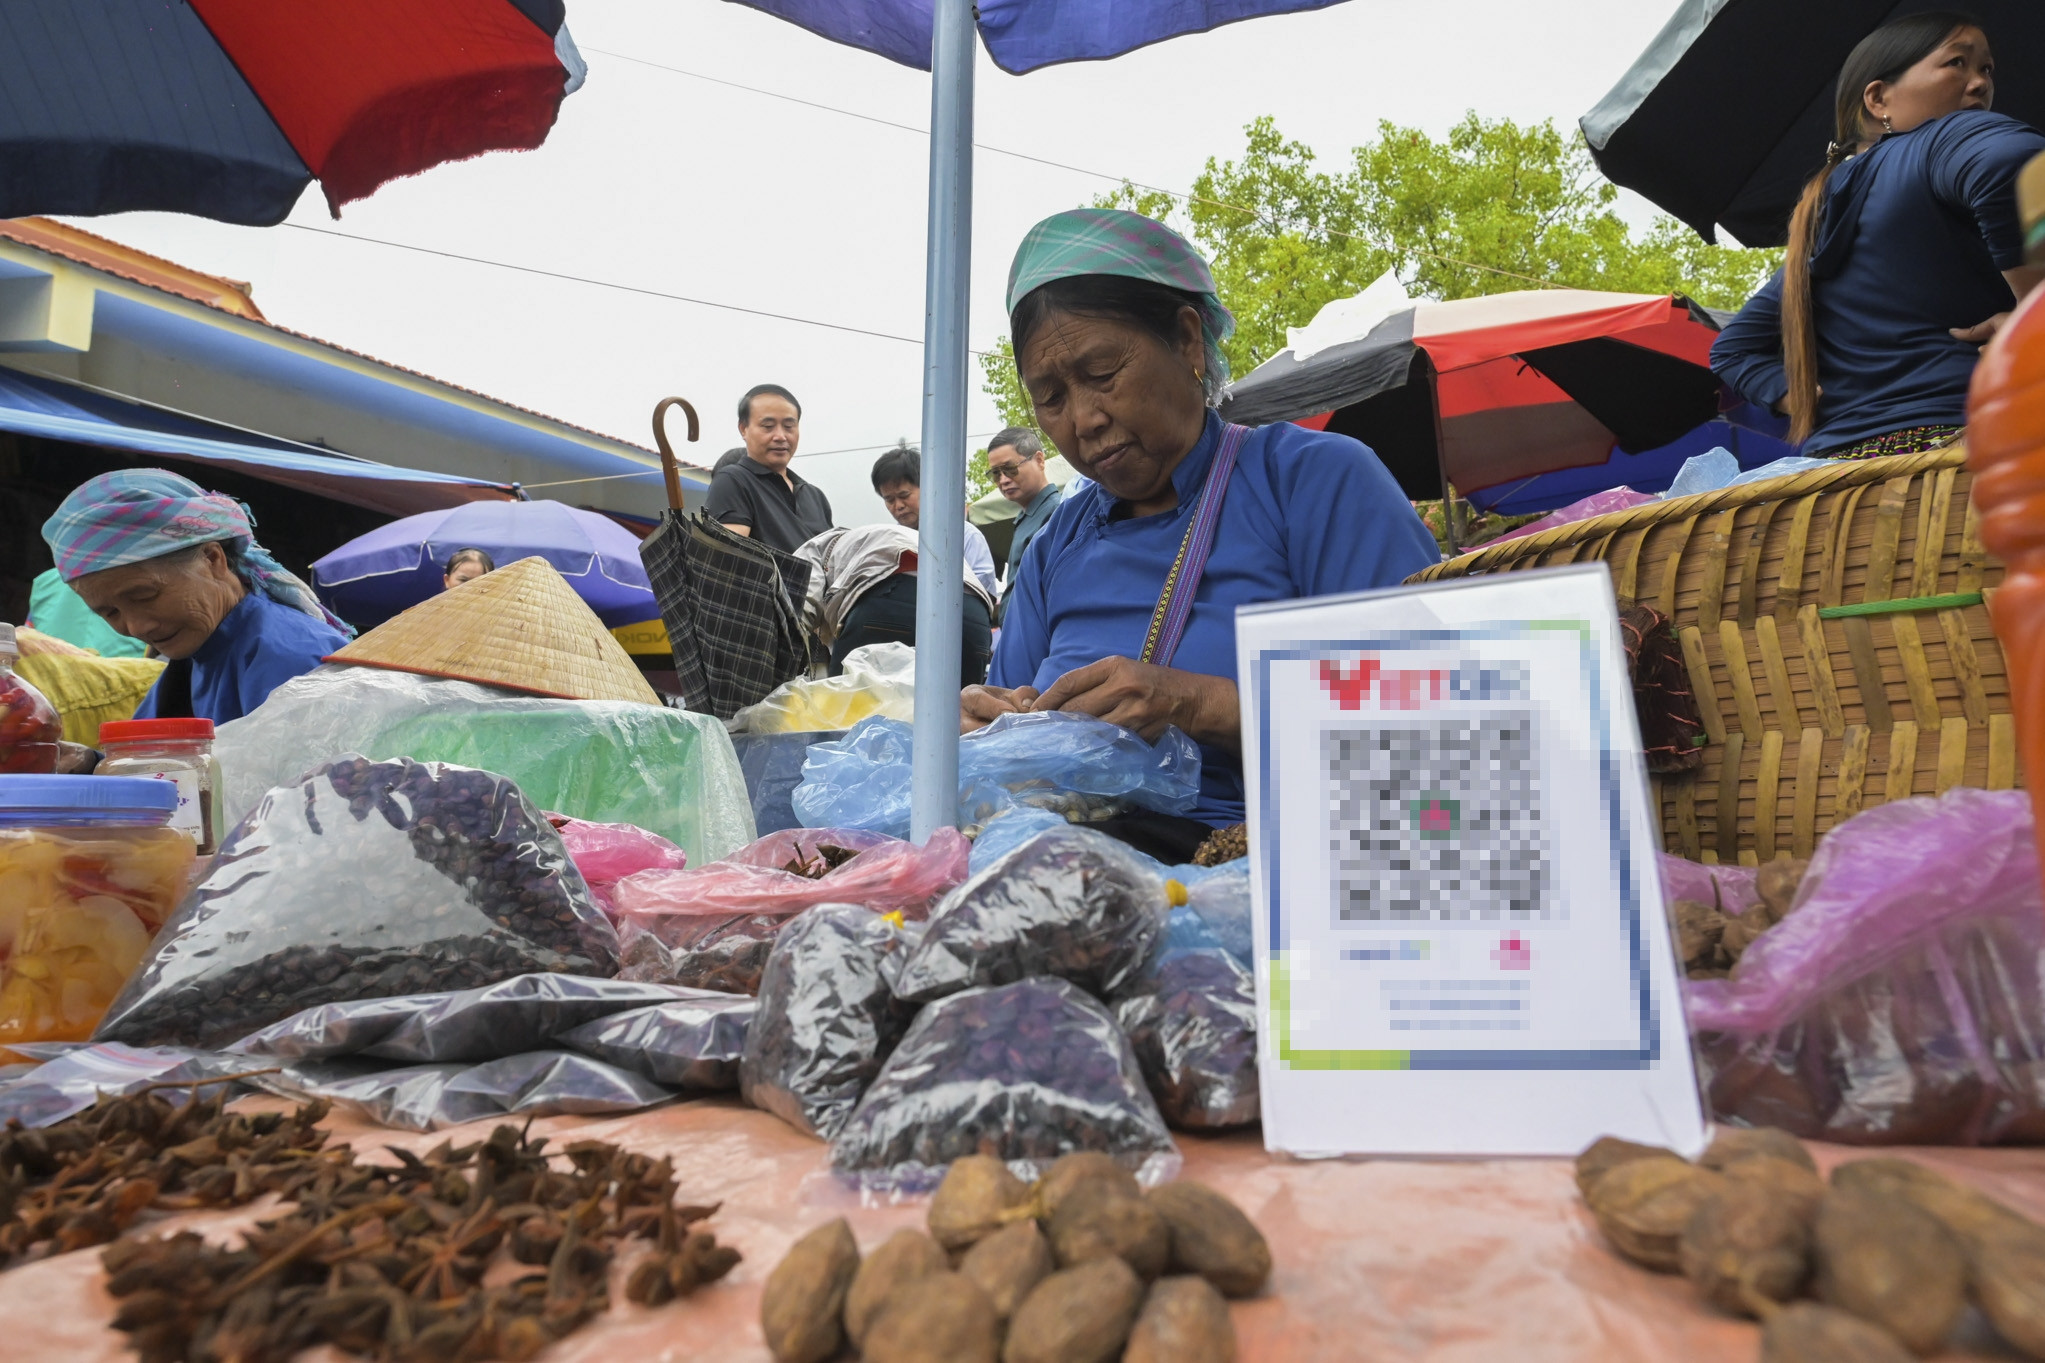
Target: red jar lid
{"points": [[143, 730]]}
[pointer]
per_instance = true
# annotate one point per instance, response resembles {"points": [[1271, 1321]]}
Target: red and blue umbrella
{"points": [[394, 567], [225, 109]]}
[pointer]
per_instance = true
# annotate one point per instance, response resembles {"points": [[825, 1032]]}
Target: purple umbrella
{"points": [[369, 579]]}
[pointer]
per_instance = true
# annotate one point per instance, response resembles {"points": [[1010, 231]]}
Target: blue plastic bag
{"points": [[1075, 766]]}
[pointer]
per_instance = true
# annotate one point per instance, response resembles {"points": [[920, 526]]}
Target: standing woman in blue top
{"points": [[1124, 606], [165, 561], [1905, 252]]}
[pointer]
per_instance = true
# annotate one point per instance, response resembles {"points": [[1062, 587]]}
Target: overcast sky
{"points": [[673, 183]]}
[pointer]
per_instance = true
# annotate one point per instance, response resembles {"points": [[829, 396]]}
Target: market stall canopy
{"points": [[522, 628], [1487, 390], [227, 108], [395, 567], [1727, 113], [1022, 35], [36, 405]]}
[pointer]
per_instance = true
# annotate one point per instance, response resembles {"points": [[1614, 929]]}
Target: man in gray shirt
{"points": [[1015, 460]]}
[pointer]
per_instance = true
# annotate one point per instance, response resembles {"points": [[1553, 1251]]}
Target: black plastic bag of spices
{"points": [[1070, 902], [827, 1017], [1191, 1018], [1025, 1072], [364, 880], [691, 1043], [702, 951]]}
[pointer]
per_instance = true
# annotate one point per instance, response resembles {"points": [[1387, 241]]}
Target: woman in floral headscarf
{"points": [[1124, 604], [165, 561]]}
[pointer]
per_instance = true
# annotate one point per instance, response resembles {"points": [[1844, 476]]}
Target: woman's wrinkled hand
{"points": [[1981, 333], [980, 706], [1148, 698]]}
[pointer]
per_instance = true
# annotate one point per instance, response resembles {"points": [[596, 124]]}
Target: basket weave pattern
{"points": [[1835, 630]]}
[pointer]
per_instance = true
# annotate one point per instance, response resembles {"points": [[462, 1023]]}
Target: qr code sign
{"points": [[1437, 820]]}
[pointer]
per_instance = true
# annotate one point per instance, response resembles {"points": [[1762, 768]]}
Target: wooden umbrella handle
{"points": [[668, 467]]}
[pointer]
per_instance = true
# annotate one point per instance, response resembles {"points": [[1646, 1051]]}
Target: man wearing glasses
{"points": [[1015, 459]]}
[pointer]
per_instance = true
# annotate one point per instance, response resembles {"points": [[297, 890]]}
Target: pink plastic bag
{"points": [[606, 853], [713, 927], [1900, 1001], [1597, 504], [1729, 889]]}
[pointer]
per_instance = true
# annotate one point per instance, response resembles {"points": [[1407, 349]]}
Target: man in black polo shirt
{"points": [[760, 495]]}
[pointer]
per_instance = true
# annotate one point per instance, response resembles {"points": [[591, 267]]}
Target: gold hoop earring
{"points": [[1199, 377]]}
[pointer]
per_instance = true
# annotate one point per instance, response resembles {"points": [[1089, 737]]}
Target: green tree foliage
{"points": [[1491, 207]]}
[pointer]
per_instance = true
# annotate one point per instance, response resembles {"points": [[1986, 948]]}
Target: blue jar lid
{"points": [[72, 801]]}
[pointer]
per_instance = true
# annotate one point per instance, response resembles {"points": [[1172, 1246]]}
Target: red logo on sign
{"points": [[1396, 689], [1513, 952]]}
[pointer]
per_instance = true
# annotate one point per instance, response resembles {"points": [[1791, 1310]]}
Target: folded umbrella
{"points": [[396, 566]]}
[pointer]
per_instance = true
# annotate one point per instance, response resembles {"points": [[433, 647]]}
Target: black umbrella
{"points": [[1727, 113]]}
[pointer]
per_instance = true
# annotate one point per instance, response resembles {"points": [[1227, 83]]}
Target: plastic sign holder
{"points": [[1461, 941]]}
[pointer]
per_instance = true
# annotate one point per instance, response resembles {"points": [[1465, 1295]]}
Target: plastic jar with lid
{"points": [[89, 870], [30, 729], [179, 751]]}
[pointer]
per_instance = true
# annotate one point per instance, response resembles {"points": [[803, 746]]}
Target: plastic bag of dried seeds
{"points": [[692, 1042], [827, 1018], [428, 1097], [1070, 902], [1025, 1072], [1191, 1019], [364, 880]]}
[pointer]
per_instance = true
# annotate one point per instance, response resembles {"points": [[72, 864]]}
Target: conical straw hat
{"points": [[521, 627]]}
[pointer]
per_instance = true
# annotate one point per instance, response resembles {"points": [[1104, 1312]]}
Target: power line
{"points": [[1058, 165]]}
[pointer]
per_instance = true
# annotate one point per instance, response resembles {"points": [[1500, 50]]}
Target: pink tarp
{"points": [[1376, 1259]]}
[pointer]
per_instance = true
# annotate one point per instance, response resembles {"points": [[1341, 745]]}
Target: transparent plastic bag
{"points": [[510, 1017], [1220, 896], [73, 1078], [1900, 1001], [1076, 766], [691, 1043], [606, 853], [364, 880], [827, 1017], [723, 952], [1007, 831], [1069, 902], [878, 679], [668, 771], [772, 764], [429, 1097], [1025, 1072], [1191, 1019]]}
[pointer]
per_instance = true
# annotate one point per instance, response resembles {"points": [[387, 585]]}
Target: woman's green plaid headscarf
{"points": [[1087, 241]]}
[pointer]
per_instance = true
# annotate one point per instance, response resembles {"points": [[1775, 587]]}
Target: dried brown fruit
{"points": [[1735, 1143], [941, 1318], [1213, 1238], [803, 1305], [1886, 1261], [1740, 932], [1798, 1188], [1609, 1152], [1643, 1206], [1965, 1212], [1745, 1243], [1070, 1171], [1698, 926], [1184, 1320], [907, 1256], [1806, 1332], [1777, 885], [970, 1204], [1102, 1221], [1009, 1264], [1079, 1315]]}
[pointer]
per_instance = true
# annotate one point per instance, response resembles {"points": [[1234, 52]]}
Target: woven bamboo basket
{"points": [[1835, 628]]}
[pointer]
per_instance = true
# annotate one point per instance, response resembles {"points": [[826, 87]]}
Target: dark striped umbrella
{"points": [[226, 108]]}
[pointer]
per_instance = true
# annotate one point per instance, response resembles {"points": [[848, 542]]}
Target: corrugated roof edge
{"points": [[50, 237]]}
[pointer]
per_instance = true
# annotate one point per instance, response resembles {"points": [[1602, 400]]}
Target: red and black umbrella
{"points": [[226, 108], [1479, 391]]}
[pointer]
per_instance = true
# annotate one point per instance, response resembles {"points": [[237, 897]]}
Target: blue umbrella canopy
{"points": [[394, 567]]}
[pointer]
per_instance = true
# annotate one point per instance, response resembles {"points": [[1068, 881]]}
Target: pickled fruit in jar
{"points": [[77, 913], [29, 727]]}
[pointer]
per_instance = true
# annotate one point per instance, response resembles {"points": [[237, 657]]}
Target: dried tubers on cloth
{"points": [[381, 1260], [1083, 1266]]}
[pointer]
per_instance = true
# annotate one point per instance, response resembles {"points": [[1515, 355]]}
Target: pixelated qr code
{"points": [[1437, 820]]}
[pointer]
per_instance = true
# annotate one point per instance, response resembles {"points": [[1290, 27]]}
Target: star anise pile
{"points": [[385, 1261]]}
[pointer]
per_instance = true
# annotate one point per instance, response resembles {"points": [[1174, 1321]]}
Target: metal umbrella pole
{"points": [[940, 566]]}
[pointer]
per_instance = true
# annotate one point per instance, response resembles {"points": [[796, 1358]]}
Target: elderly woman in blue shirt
{"points": [[162, 560], [1124, 606]]}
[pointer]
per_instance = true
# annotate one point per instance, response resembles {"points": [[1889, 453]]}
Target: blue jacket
{"points": [[260, 645], [1915, 235], [1307, 514]]}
